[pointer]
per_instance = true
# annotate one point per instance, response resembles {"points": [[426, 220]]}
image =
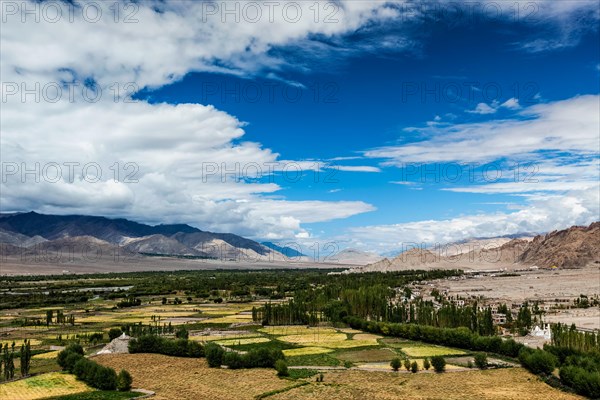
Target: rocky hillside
{"points": [[573, 247]]}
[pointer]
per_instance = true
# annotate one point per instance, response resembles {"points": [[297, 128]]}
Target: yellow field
{"points": [[430, 351], [18, 343], [329, 338], [50, 354], [232, 319], [42, 386], [306, 351], [210, 338], [233, 342], [296, 330]]}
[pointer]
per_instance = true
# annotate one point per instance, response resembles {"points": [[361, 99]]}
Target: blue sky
{"points": [[385, 95]]}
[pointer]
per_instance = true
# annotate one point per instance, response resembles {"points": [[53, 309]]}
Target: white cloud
{"points": [[174, 148], [511, 104], [355, 168], [483, 108], [567, 126], [540, 215]]}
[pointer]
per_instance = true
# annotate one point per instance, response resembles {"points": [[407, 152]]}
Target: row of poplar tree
{"points": [[7, 362]]}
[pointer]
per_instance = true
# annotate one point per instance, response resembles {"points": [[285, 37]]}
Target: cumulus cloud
{"points": [[567, 126], [540, 215], [151, 162]]}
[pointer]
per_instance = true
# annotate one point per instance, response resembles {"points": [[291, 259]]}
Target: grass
{"points": [[47, 355], [242, 341], [371, 355], [314, 360], [430, 351], [302, 373], [43, 386], [271, 345], [303, 351]]}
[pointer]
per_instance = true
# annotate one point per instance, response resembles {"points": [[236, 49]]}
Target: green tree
{"points": [[124, 381], [414, 367], [438, 363], [481, 360], [407, 364], [282, 368], [214, 355], [114, 333], [426, 364], [182, 333], [25, 358], [395, 364]]}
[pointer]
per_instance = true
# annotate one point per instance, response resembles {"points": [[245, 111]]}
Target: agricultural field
{"points": [[190, 379], [508, 384], [43, 386]]}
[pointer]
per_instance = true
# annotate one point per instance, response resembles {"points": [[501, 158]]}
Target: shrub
{"points": [[537, 361], [282, 368], [438, 363], [182, 333], [214, 355], [426, 363], [124, 381], [414, 367], [584, 382], [114, 333], [395, 364], [75, 351], [95, 375], [481, 360], [407, 364], [160, 345], [233, 360]]}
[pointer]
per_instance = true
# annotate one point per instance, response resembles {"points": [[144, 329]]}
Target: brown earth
{"points": [[191, 379]]}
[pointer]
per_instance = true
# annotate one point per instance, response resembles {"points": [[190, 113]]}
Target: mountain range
{"points": [[574, 247], [32, 232]]}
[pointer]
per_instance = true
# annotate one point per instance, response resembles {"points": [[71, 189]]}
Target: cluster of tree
{"points": [[61, 318], [571, 338], [72, 359], [367, 296], [255, 358], [449, 315], [169, 347], [129, 301], [454, 337], [8, 361], [41, 299], [140, 329], [578, 370]]}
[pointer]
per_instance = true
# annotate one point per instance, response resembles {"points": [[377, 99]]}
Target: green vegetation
{"points": [[395, 364], [71, 359], [454, 337], [302, 373], [160, 345], [426, 364], [481, 360], [438, 363], [281, 368]]}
